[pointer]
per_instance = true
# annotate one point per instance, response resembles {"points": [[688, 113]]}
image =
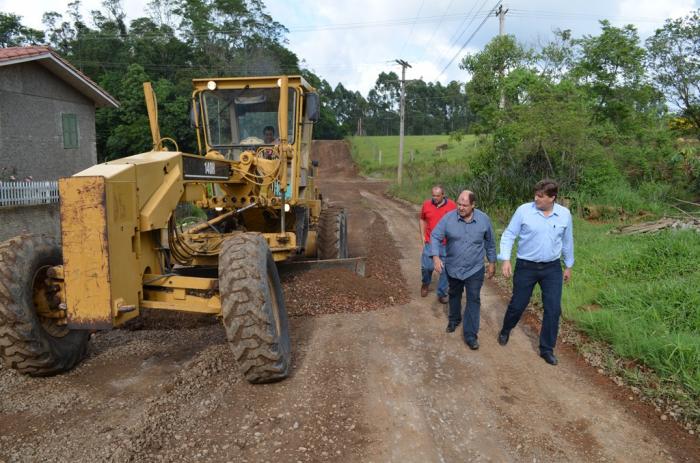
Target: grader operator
{"points": [[124, 249]]}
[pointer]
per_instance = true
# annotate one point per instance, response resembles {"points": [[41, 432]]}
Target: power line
{"points": [[381, 23], [454, 40], [301, 28], [436, 28], [456, 37], [389, 23], [410, 33], [469, 39], [522, 13]]}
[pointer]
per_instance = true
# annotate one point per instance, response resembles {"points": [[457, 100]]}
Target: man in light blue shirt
{"points": [[470, 238], [546, 235]]}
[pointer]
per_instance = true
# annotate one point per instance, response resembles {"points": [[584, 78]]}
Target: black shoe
{"points": [[443, 299], [549, 358], [503, 338], [451, 327], [472, 343]]}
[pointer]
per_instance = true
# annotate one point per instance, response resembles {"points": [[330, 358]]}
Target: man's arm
{"points": [[436, 238], [567, 248], [490, 248], [422, 225], [507, 240]]}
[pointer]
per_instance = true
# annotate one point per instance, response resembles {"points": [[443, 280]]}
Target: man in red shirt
{"points": [[432, 211]]}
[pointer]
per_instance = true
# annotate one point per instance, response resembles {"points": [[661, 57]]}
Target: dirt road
{"points": [[368, 385]]}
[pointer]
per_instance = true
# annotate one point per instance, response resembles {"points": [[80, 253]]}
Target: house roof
{"points": [[61, 68]]}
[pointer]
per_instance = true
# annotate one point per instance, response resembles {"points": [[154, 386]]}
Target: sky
{"points": [[353, 41]]}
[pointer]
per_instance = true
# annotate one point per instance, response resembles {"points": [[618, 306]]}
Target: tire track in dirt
{"points": [[380, 386]]}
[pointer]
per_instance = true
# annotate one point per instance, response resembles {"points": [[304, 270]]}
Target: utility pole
{"points": [[501, 13], [402, 108]]}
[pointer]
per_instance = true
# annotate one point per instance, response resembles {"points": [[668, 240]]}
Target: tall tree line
{"points": [[620, 85], [431, 108], [591, 111], [177, 40]]}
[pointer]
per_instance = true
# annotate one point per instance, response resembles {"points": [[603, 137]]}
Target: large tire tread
{"points": [[262, 355], [332, 234], [24, 344]]}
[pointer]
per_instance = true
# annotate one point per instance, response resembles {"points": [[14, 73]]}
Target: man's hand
{"points": [[490, 270], [437, 263], [567, 274], [506, 269]]}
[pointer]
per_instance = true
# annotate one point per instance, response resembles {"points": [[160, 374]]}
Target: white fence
{"points": [[28, 193]]}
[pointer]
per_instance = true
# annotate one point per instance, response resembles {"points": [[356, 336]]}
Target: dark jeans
{"points": [[549, 276], [472, 309]]}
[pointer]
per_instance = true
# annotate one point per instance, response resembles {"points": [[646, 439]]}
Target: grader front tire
{"points": [[31, 344], [332, 239], [252, 303]]}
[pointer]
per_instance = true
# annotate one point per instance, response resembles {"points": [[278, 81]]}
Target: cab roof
{"points": [[253, 81]]}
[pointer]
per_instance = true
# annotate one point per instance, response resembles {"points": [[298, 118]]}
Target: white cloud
{"points": [[654, 9], [385, 30], [32, 12]]}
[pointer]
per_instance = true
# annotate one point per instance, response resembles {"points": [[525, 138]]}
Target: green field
{"points": [[640, 294], [426, 158]]}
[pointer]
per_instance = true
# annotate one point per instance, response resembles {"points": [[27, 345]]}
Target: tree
{"points": [[350, 107], [488, 70], [131, 132], [14, 34], [60, 33], [327, 127], [383, 105], [557, 57], [673, 57], [611, 67]]}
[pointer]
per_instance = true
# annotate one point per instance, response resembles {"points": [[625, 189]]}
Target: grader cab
{"points": [[126, 248]]}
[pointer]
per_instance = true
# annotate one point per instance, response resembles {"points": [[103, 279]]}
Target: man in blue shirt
{"points": [[546, 235], [470, 238]]}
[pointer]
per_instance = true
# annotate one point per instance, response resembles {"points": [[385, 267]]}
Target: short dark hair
{"points": [[269, 127], [548, 187]]}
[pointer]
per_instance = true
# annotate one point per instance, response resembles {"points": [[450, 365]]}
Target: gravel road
{"points": [[375, 378]]}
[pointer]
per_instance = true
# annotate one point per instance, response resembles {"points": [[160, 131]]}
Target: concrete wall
{"points": [[32, 100], [44, 219]]}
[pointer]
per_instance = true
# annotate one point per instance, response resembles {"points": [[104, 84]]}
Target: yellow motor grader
{"points": [[125, 247]]}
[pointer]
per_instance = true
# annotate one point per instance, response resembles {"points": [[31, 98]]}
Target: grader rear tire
{"points": [[252, 303], [332, 239], [31, 344]]}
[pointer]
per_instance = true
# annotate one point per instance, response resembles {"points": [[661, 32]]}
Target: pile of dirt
{"points": [[333, 159], [317, 291]]}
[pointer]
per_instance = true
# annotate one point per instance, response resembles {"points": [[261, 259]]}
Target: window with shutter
{"points": [[70, 131]]}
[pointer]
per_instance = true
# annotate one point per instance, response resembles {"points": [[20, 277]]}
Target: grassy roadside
{"points": [[641, 295], [638, 295], [426, 158]]}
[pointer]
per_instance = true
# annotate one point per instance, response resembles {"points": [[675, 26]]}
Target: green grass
{"points": [[641, 294], [424, 162], [424, 147]]}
